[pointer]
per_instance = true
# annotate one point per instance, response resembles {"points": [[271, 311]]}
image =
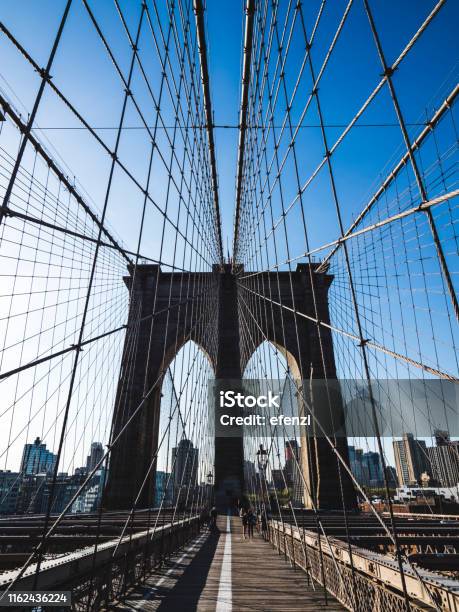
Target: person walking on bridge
{"points": [[245, 523], [213, 518], [251, 522]]}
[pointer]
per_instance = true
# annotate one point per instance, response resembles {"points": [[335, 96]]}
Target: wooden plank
{"points": [[262, 580]]}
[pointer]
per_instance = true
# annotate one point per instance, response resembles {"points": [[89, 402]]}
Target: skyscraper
{"points": [[372, 469], [366, 467], [163, 489], [355, 462], [88, 500], [95, 455], [36, 459], [185, 464], [444, 460], [9, 491], [410, 459]]}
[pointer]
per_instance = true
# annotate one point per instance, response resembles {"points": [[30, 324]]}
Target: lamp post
{"points": [[209, 480], [262, 458]]}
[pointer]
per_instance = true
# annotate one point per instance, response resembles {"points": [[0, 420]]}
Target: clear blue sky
{"points": [[86, 75]]}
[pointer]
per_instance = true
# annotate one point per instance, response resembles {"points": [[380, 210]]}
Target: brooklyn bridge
{"points": [[257, 197]]}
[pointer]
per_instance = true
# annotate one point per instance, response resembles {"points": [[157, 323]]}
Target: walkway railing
{"points": [[99, 578], [371, 582]]}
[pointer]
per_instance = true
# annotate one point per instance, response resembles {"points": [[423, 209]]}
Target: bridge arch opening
{"points": [[177, 350], [184, 471], [276, 359], [286, 474]]}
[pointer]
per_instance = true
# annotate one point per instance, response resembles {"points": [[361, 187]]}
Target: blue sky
{"points": [[88, 78]]}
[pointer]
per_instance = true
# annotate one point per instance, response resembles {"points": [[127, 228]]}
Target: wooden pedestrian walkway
{"points": [[223, 573]]}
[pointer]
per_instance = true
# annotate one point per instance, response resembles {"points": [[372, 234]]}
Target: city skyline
{"points": [[27, 490]]}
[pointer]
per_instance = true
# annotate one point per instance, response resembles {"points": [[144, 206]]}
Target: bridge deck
{"points": [[223, 572]]}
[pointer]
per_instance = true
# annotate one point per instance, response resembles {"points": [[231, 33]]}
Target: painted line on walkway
{"points": [[150, 592], [225, 593]]}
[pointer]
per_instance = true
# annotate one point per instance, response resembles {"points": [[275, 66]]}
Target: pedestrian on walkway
{"points": [[245, 522], [213, 518], [251, 521]]}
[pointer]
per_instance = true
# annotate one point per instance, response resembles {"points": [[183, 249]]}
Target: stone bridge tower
{"points": [[166, 321]]}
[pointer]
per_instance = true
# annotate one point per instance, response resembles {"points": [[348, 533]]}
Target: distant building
{"points": [[164, 489], [95, 455], [391, 475], [36, 459], [81, 471], [405, 494], [30, 494], [9, 491], [89, 499], [64, 489], [185, 467], [366, 467], [410, 459], [35, 490], [440, 462], [372, 469], [355, 462], [444, 462]]}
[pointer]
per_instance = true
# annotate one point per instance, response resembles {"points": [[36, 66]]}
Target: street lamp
{"points": [[262, 458]]}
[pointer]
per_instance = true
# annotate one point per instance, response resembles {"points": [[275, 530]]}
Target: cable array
{"points": [[389, 311], [71, 320]]}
